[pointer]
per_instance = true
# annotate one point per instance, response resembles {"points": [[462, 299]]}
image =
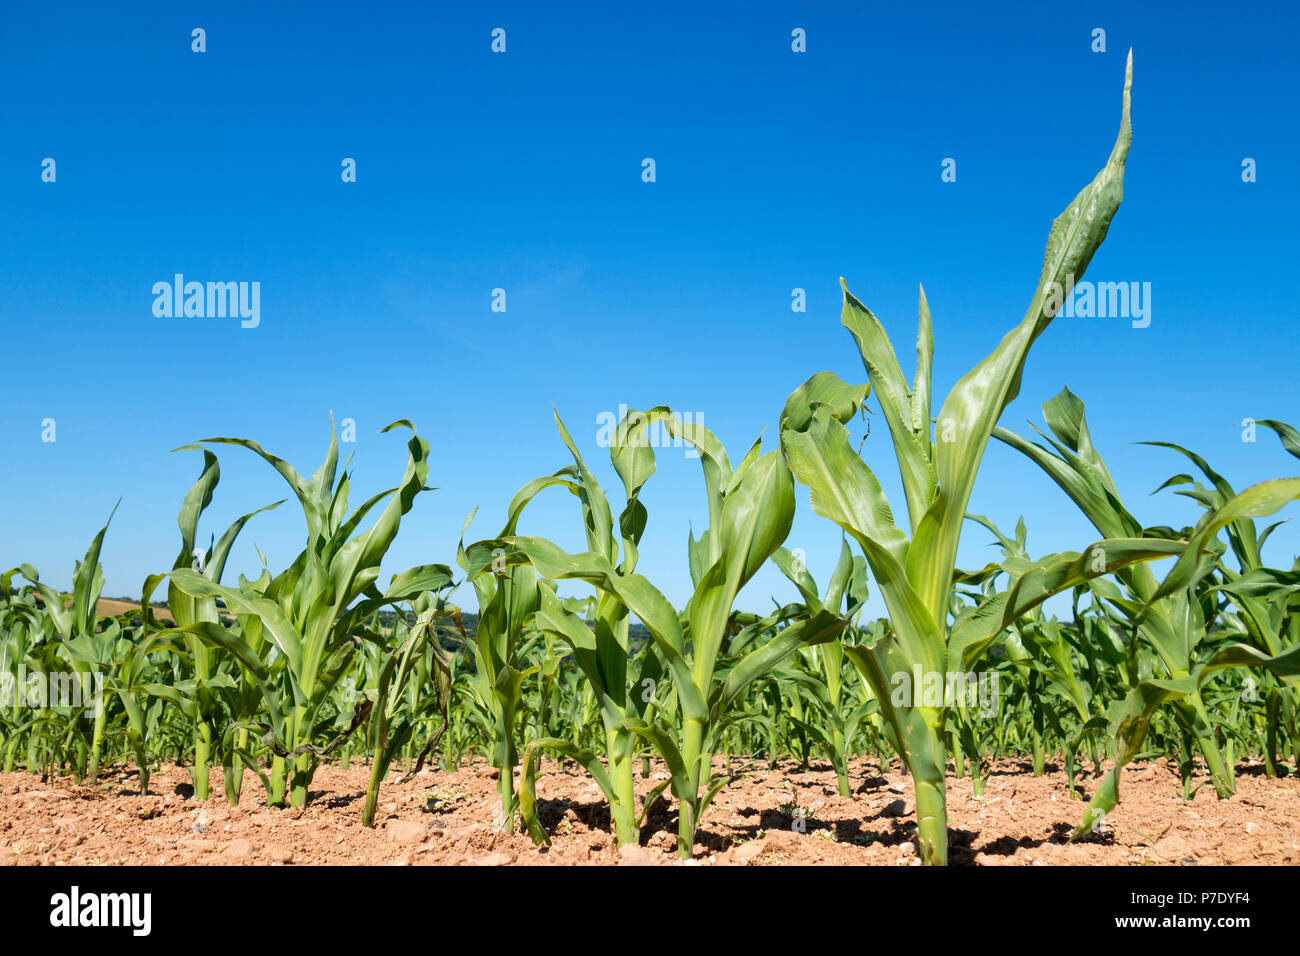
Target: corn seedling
{"points": [[1170, 616], [915, 572], [750, 511], [413, 686], [311, 611]]}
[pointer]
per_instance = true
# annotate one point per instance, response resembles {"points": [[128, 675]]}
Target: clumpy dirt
{"points": [[771, 816]]}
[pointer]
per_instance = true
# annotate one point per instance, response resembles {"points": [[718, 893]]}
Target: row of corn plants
{"points": [[579, 657]]}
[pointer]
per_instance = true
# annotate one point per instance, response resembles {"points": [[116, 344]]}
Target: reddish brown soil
{"points": [[440, 818]]}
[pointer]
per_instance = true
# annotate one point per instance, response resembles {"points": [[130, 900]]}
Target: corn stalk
{"points": [[311, 611], [914, 568]]}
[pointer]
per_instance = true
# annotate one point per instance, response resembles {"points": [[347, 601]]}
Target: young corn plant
{"points": [[90, 653], [1267, 600], [20, 627], [1132, 718], [413, 685], [1170, 616], [751, 508], [1172, 627], [312, 611], [601, 647], [47, 734], [131, 682], [205, 697], [914, 569], [1042, 664], [822, 677], [508, 596]]}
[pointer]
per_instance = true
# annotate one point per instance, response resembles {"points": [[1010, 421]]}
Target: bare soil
{"points": [[771, 816]]}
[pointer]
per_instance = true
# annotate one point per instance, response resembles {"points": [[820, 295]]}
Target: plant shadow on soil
{"points": [[785, 815]]}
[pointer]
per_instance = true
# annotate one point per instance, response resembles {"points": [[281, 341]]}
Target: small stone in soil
{"points": [[405, 831], [239, 848], [632, 855]]}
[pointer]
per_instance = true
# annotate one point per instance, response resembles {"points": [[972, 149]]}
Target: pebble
{"points": [[406, 831], [240, 848], [632, 855]]}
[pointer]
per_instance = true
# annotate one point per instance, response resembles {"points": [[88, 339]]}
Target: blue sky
{"points": [[522, 171]]}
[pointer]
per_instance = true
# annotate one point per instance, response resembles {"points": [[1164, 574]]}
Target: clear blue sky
{"points": [[522, 171]]}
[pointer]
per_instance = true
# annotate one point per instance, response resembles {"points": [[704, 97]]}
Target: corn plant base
{"points": [[1017, 822]]}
